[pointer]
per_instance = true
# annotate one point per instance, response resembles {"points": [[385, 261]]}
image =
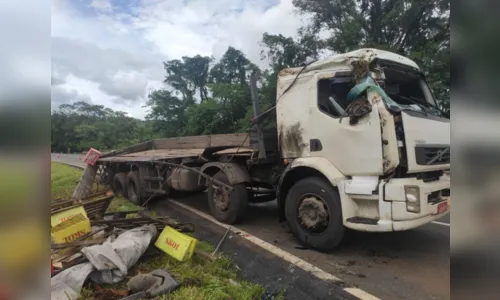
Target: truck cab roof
{"points": [[342, 62]]}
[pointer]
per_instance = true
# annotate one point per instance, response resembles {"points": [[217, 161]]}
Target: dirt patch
{"points": [[291, 141]]}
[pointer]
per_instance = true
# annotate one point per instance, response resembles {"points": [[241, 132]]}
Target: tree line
{"points": [[209, 97]]}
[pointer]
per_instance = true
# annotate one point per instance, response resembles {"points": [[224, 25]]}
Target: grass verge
{"points": [[200, 278]]}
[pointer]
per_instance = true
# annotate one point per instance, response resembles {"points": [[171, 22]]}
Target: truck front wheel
{"points": [[227, 206], [314, 214]]}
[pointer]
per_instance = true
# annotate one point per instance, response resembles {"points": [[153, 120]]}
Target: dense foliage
{"points": [[204, 98]]}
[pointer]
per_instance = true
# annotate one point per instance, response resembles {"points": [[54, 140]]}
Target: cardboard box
{"points": [[176, 244], [71, 229]]}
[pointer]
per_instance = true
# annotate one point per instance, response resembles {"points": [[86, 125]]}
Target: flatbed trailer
{"points": [[164, 167], [343, 154]]}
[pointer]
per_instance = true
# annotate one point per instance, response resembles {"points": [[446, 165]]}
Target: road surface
{"points": [[413, 264]]}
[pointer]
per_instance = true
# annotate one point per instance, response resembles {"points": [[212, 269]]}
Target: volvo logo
{"points": [[439, 156]]}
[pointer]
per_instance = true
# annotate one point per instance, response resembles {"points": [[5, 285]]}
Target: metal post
{"points": [[256, 112]]}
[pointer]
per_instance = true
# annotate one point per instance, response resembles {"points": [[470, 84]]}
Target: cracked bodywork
{"points": [[388, 128]]}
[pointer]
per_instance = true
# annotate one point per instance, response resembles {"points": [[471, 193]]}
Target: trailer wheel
{"points": [[134, 190], [314, 214], [227, 207], [120, 184]]}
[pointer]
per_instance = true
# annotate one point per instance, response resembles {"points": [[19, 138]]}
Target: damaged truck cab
{"points": [[365, 144]]}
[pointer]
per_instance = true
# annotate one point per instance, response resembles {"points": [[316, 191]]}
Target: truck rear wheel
{"points": [[120, 184], [314, 214], [227, 206], [134, 188]]}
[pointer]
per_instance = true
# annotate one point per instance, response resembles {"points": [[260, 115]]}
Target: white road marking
{"points": [[319, 273], [441, 223]]}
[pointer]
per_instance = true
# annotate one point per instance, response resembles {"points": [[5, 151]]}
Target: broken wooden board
{"points": [[84, 187]]}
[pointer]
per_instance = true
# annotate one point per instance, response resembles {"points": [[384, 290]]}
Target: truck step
{"points": [[361, 220], [156, 192], [150, 178]]}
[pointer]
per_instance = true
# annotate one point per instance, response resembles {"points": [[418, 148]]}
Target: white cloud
{"points": [[102, 5], [112, 50]]}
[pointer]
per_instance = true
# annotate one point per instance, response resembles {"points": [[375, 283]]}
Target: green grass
{"points": [[122, 204], [63, 180], [200, 278]]}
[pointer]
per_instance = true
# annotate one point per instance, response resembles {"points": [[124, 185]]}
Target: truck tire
{"points": [[120, 184], [228, 208], [314, 213], [134, 188]]}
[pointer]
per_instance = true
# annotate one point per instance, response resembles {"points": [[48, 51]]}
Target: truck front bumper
{"points": [[393, 213], [434, 201]]}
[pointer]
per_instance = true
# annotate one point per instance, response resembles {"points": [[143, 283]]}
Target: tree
{"points": [[284, 52], [233, 67], [188, 76], [79, 126], [419, 29], [167, 112]]}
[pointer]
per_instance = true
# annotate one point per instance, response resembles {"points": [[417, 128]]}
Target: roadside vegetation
{"points": [[200, 278]]}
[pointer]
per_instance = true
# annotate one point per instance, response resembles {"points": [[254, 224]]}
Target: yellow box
{"points": [[176, 244], [71, 229], [66, 214]]}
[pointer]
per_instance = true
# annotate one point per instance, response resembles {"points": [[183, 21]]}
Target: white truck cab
{"points": [[384, 150]]}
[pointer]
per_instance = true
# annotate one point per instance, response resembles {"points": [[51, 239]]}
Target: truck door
{"points": [[353, 149]]}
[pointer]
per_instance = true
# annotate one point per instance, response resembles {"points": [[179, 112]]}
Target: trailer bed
{"points": [[185, 147], [159, 154]]}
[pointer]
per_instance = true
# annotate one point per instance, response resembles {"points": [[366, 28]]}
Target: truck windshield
{"points": [[409, 90]]}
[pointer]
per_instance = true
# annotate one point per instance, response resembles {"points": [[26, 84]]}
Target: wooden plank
{"points": [[78, 244], [235, 140], [235, 150], [134, 148], [202, 141], [167, 153]]}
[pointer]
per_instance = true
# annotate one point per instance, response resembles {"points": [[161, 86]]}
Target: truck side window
{"points": [[337, 89]]}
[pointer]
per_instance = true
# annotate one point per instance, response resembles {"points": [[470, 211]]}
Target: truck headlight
{"points": [[412, 194]]}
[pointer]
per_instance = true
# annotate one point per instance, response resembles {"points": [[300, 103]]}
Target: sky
{"points": [[111, 52]]}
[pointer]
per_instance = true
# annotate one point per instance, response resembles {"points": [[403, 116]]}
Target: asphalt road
{"points": [[413, 264]]}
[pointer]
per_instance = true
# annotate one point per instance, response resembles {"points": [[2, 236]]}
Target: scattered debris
{"points": [[222, 240], [115, 256], [98, 261], [95, 204], [153, 284], [88, 243], [205, 254], [139, 295], [120, 220]]}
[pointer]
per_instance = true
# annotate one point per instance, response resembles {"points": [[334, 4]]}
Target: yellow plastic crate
{"points": [[176, 244], [71, 229], [66, 214]]}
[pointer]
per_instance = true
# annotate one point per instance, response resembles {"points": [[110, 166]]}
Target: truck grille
{"points": [[432, 155], [430, 176]]}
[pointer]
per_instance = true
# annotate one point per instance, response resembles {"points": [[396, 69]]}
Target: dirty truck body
{"points": [[328, 166]]}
